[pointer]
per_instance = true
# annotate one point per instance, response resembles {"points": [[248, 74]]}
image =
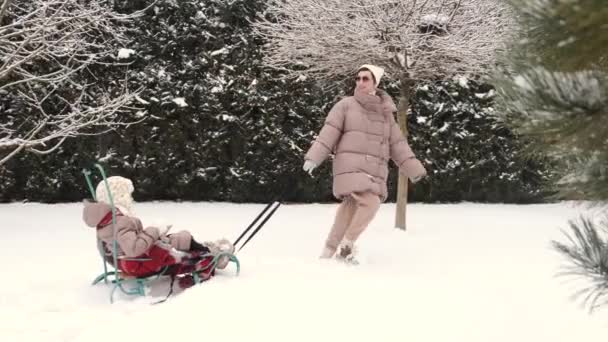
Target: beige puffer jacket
{"points": [[133, 240], [362, 133]]}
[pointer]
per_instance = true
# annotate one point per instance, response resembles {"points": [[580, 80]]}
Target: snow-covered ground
{"points": [[465, 272]]}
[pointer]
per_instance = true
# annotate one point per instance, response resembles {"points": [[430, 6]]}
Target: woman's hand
{"points": [[309, 166]]}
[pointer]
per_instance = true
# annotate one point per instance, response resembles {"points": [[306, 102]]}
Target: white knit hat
{"points": [[376, 71], [121, 189]]}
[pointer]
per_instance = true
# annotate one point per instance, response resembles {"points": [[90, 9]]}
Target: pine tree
{"points": [[557, 92]]}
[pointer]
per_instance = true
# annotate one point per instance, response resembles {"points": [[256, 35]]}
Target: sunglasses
{"points": [[362, 78]]}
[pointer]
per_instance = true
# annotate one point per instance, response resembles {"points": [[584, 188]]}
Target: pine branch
{"points": [[587, 252], [568, 34], [584, 177], [570, 110], [557, 94]]}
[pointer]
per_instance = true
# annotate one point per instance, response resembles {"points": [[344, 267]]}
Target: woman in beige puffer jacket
{"points": [[362, 133]]}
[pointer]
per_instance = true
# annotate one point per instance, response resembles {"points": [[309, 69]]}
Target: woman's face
{"points": [[364, 82]]}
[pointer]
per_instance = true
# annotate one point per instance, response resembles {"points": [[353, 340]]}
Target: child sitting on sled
{"points": [[143, 252], [155, 250]]}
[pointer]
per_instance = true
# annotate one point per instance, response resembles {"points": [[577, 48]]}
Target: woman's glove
{"points": [[414, 169], [309, 166]]}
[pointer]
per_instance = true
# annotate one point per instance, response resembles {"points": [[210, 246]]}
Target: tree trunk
{"points": [[406, 91]]}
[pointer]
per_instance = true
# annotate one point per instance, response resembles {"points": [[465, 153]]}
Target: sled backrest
{"points": [[118, 280]]}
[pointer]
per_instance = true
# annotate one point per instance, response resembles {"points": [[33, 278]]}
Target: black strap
{"points": [[173, 276]]}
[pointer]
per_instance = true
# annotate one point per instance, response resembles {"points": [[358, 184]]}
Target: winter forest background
{"points": [[209, 122]]}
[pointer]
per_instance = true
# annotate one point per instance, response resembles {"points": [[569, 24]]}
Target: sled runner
{"points": [[194, 267]]}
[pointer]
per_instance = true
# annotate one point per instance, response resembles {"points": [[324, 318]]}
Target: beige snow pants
{"points": [[352, 218]]}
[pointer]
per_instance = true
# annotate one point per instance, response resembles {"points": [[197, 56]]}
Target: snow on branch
{"points": [[45, 46], [421, 39]]}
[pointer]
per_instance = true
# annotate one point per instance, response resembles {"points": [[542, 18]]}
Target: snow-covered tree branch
{"points": [[45, 48], [421, 39]]}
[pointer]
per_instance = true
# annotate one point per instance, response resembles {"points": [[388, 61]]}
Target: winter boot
{"points": [[327, 253], [185, 282], [347, 252], [224, 246], [218, 247]]}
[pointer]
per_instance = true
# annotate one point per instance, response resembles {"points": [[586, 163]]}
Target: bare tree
{"points": [[414, 40], [46, 46]]}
